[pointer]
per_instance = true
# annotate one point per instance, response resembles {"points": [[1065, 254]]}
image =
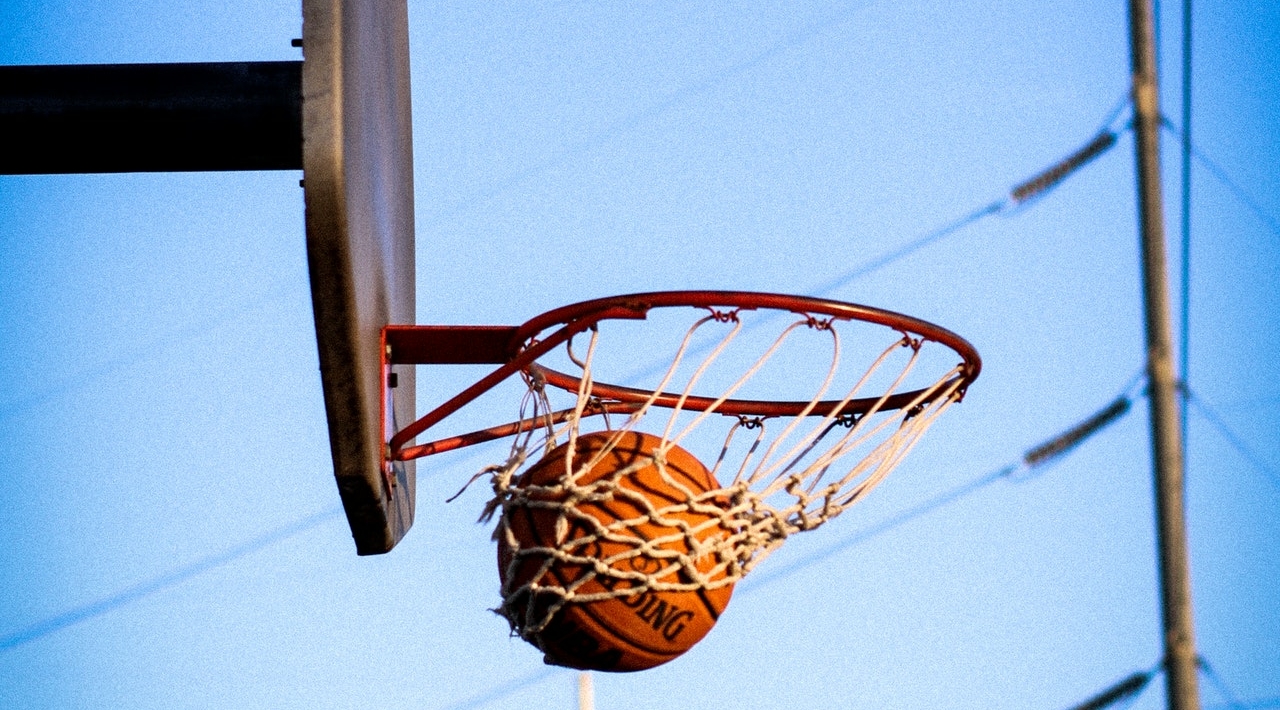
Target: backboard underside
{"points": [[358, 183]]}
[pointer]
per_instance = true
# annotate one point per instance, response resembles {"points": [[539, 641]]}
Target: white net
{"points": [[624, 508]]}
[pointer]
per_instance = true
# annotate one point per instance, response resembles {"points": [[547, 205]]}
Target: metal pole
{"points": [[1166, 438], [586, 696], [123, 118]]}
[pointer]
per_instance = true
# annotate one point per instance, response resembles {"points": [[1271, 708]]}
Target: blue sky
{"points": [[166, 478]]}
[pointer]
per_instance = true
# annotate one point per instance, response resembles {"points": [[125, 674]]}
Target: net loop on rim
{"points": [[790, 466]]}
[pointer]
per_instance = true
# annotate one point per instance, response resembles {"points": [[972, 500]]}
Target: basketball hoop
{"points": [[518, 348], [788, 464]]}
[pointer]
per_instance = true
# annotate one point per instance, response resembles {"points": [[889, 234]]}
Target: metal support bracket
{"points": [[124, 118]]}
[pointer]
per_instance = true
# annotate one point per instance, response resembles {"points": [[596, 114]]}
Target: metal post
{"points": [[586, 696], [113, 118], [1166, 438]]}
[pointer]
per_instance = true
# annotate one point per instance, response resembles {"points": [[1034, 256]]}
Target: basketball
{"points": [[627, 632]]}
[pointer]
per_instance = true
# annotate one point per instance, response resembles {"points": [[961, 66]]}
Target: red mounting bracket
{"points": [[436, 345]]}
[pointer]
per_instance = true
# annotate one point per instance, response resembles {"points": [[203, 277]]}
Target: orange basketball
{"points": [[628, 632]]}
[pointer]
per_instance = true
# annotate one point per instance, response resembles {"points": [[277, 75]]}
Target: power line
{"points": [[570, 149], [502, 691], [1034, 458], [761, 579], [1214, 679], [931, 237], [1218, 172], [149, 350], [1258, 704], [78, 614], [1129, 688], [1231, 437], [1021, 195]]}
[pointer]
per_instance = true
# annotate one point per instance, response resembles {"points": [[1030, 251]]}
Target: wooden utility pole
{"points": [[1166, 436]]}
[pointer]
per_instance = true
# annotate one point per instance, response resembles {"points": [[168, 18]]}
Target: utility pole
{"points": [[1166, 436]]}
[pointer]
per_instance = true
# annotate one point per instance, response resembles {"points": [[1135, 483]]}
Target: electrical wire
{"points": [[1018, 198], [1231, 437], [1024, 194], [1258, 704], [82, 613], [571, 149], [1048, 452], [1231, 699], [150, 350], [1034, 458], [526, 681], [1021, 195], [762, 579], [1223, 177]]}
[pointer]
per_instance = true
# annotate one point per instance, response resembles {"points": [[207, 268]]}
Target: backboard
{"points": [[358, 182]]}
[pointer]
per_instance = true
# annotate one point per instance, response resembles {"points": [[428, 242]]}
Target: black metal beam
{"points": [[120, 118]]}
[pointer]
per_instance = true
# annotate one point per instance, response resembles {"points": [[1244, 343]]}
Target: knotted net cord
{"points": [[814, 467]]}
